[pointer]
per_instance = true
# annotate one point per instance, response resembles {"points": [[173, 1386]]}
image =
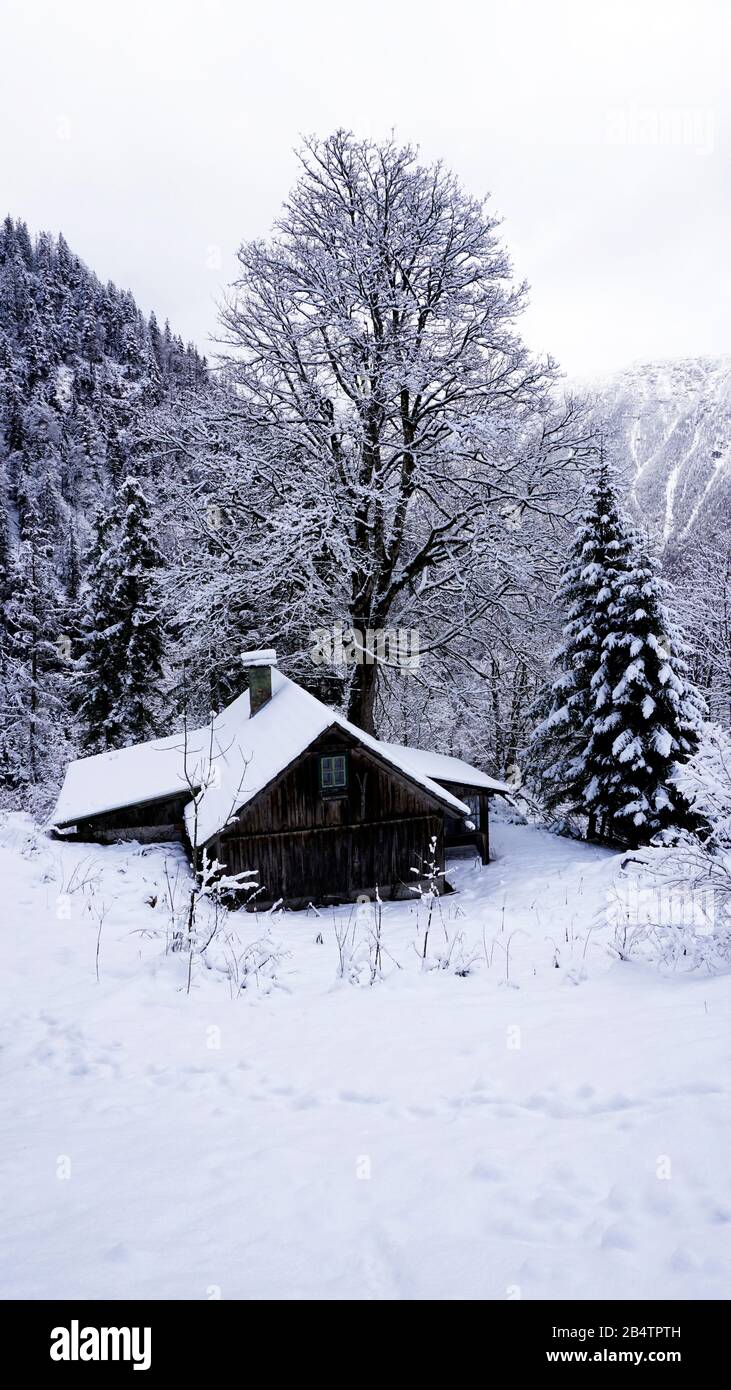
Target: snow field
{"points": [[564, 1134]]}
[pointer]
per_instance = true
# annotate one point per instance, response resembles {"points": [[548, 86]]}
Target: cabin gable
{"points": [[312, 842]]}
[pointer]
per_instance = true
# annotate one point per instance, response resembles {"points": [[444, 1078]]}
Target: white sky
{"points": [[158, 135]]}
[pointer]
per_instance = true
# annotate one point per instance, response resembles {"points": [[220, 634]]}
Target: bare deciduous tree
{"points": [[397, 429]]}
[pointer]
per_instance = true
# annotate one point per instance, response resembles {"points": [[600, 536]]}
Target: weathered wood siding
{"points": [[306, 846], [148, 821], [455, 832]]}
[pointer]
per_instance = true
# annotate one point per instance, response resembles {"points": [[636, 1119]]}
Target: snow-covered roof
{"points": [[126, 776], [252, 752], [236, 757], [442, 768]]}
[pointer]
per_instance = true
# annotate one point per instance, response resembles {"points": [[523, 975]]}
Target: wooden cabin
{"points": [[282, 785]]}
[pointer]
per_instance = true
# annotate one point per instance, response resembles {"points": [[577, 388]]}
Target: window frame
{"points": [[333, 789]]}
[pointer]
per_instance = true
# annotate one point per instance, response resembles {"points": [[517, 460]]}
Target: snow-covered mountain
{"points": [[672, 422]]}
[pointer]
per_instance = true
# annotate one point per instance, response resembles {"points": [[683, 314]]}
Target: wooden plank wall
{"points": [[304, 845]]}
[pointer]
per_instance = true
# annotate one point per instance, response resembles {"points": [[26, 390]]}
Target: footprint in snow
{"points": [[614, 1103], [553, 1206], [683, 1261], [487, 1172], [360, 1098], [306, 1102], [617, 1237], [718, 1213], [116, 1254], [564, 1173], [659, 1201]]}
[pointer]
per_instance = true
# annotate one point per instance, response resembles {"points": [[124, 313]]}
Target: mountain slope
{"points": [[672, 422], [81, 372], [78, 363]]}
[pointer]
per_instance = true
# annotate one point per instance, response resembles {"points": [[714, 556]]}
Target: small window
{"points": [[333, 772]]}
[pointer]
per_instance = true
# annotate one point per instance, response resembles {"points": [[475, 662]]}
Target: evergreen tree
{"points": [[5, 552], [99, 672], [621, 714], [33, 739], [72, 567], [646, 715], [601, 550], [121, 668], [135, 599]]}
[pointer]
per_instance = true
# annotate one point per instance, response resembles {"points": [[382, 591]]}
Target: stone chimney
{"points": [[258, 668]]}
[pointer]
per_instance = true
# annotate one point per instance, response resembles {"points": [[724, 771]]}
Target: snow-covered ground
{"points": [[434, 1136]]}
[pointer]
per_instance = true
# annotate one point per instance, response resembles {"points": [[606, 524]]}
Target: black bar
{"points": [[195, 1338]]}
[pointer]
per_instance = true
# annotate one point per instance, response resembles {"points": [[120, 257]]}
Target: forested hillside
{"points": [[80, 366], [78, 361]]}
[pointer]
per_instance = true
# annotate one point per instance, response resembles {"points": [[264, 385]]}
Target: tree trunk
{"points": [[362, 697]]}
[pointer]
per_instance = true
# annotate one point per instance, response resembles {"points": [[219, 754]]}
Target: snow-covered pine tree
{"points": [[6, 710], [33, 739], [601, 550], [5, 549], [99, 675], [621, 715], [72, 566], [646, 715], [121, 667], [136, 601]]}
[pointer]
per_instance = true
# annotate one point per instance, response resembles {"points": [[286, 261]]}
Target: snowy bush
{"points": [[198, 910], [354, 962], [459, 957], [362, 953], [674, 899], [672, 904], [705, 781], [428, 890], [255, 964]]}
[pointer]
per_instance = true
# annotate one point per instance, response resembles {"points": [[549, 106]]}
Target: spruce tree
{"points": [[5, 550], [136, 601], [601, 550], [121, 668], [99, 674], [621, 714], [646, 715], [72, 566], [33, 739]]}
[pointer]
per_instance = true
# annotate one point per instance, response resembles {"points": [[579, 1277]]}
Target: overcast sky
{"points": [[158, 135]]}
